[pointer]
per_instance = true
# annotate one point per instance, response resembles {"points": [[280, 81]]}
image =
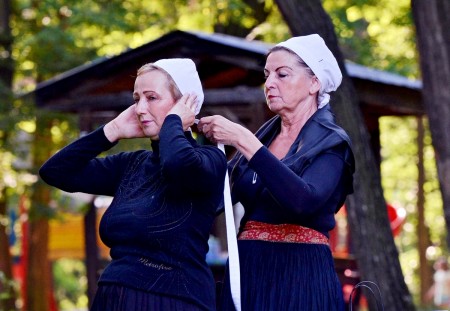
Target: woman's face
{"points": [[153, 101], [288, 85]]}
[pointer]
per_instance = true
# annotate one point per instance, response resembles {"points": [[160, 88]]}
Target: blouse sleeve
{"points": [[76, 167], [195, 168], [303, 194]]}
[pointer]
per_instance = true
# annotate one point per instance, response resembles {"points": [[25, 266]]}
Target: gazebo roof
{"points": [[231, 70]]}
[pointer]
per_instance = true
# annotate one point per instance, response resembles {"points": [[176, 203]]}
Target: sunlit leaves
{"points": [[70, 283], [384, 33], [53, 36], [399, 159], [59, 131], [399, 172]]}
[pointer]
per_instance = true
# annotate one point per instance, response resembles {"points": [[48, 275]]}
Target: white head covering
{"points": [[314, 52], [185, 75]]}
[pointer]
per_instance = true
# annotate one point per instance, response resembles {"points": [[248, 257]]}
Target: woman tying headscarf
{"points": [[291, 177], [159, 221]]}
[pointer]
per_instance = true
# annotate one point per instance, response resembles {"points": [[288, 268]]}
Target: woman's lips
{"points": [[146, 122]]}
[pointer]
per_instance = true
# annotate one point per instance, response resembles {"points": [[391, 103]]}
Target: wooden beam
{"points": [[234, 96], [389, 99], [119, 101]]}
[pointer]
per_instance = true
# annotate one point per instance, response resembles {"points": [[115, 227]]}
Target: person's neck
{"points": [[292, 123]]}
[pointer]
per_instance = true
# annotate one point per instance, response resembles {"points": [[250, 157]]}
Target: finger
{"points": [[201, 123], [192, 103], [205, 120], [210, 137], [183, 100], [206, 129], [195, 105], [203, 127]]}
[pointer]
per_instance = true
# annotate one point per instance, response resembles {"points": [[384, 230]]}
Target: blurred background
{"points": [[66, 67]]}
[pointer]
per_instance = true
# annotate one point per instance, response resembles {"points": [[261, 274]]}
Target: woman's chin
{"points": [[153, 135], [275, 108]]}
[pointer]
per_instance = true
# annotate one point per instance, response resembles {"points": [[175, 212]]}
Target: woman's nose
{"points": [[269, 82], [140, 107]]}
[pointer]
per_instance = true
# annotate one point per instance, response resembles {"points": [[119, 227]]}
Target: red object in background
{"points": [[396, 218], [345, 264], [339, 236], [20, 268], [23, 266]]}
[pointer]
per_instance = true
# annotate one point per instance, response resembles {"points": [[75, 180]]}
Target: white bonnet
{"points": [[314, 52], [185, 75]]}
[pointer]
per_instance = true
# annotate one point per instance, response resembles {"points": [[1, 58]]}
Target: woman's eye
{"points": [[135, 100], [282, 75]]}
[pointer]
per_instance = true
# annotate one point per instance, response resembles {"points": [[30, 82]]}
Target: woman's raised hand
{"points": [[125, 125], [185, 108]]}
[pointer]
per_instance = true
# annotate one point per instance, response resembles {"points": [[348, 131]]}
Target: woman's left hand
{"points": [[221, 130], [185, 109]]}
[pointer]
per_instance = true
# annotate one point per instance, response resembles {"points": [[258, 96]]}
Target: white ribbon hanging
{"points": [[233, 254]]}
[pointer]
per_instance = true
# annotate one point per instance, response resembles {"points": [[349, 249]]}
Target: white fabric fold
{"points": [[185, 75], [233, 254]]}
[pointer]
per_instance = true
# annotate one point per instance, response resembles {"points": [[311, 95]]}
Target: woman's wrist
{"points": [[247, 143], [111, 132]]}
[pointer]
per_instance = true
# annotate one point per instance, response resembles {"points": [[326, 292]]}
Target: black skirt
{"points": [[112, 297], [285, 277]]}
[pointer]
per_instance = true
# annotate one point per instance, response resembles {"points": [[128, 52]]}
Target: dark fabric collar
{"points": [[155, 143], [319, 133]]}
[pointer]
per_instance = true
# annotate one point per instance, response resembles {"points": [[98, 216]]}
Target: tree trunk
{"points": [[372, 240], [432, 21], [7, 303], [423, 233], [6, 40], [38, 276]]}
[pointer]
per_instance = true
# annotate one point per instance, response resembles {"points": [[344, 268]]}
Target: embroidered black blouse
{"points": [[159, 221]]}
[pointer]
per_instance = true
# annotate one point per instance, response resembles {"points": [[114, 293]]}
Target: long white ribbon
{"points": [[233, 254]]}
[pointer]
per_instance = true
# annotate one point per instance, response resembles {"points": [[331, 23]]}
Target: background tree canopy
{"points": [[52, 36]]}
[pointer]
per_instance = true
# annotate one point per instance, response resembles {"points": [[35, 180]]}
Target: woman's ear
{"points": [[315, 85]]}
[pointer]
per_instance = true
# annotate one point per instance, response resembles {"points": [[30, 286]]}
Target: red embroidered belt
{"points": [[255, 230]]}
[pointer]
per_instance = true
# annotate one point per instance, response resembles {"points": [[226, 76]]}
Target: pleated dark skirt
{"points": [[285, 277], [111, 297]]}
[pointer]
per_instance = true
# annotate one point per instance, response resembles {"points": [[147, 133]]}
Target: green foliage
{"points": [[399, 170], [377, 34], [53, 36], [70, 284], [9, 289]]}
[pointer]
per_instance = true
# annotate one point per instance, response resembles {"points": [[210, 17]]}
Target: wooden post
{"points": [[423, 234]]}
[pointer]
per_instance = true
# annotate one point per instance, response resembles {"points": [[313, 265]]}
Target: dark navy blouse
{"points": [[308, 186], [159, 221]]}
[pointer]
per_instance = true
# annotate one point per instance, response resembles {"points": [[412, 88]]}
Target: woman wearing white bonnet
{"points": [[291, 177], [316, 55], [158, 224]]}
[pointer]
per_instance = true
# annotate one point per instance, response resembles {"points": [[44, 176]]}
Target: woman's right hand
{"points": [[185, 109], [125, 125]]}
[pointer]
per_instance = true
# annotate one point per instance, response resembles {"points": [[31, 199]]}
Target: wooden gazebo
{"points": [[231, 70]]}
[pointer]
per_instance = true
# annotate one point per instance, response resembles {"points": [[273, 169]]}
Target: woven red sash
{"points": [[254, 230]]}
